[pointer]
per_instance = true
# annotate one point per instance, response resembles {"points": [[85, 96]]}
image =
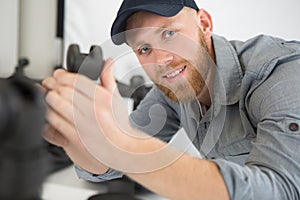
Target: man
{"points": [[238, 102]]}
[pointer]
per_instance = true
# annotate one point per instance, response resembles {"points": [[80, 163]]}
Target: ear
{"points": [[206, 24]]}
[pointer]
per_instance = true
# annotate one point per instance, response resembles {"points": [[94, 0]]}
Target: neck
{"points": [[205, 96]]}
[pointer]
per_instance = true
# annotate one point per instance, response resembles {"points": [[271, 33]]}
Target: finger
{"points": [[41, 88], [60, 105], [65, 99], [107, 76], [54, 137], [78, 100], [61, 125], [65, 92], [64, 77], [81, 83], [49, 83]]}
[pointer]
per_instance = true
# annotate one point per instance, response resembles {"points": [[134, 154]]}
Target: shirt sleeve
{"points": [[157, 116], [272, 170], [109, 175]]}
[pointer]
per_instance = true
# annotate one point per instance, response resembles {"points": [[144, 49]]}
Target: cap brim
{"points": [[119, 25]]}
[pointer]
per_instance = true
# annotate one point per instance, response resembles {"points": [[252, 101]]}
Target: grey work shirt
{"points": [[251, 130]]}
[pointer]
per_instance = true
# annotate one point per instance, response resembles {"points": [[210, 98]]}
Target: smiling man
{"points": [[237, 101], [173, 57]]}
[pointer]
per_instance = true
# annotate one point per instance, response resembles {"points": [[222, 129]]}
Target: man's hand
{"points": [[66, 103]]}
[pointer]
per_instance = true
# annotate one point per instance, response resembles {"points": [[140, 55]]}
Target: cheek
{"points": [[150, 70], [184, 46], [148, 66]]}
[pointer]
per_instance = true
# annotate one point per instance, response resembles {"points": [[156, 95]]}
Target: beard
{"points": [[185, 90], [192, 86]]}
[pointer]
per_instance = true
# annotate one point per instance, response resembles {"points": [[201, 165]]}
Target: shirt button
{"points": [[293, 127]]}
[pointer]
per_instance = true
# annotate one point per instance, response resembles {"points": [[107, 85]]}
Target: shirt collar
{"points": [[229, 73], [227, 83]]}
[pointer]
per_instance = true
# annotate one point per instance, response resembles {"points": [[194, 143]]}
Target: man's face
{"points": [[172, 52]]}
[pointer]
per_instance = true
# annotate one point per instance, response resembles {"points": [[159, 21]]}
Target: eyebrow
{"points": [[159, 29]]}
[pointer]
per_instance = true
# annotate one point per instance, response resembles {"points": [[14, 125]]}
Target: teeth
{"points": [[173, 74]]}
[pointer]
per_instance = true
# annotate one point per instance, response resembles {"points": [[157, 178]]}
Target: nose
{"points": [[163, 57]]}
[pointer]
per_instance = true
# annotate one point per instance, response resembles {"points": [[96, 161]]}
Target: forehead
{"points": [[145, 23], [147, 19]]}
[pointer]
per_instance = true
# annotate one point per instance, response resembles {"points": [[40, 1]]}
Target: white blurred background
{"points": [[28, 28]]}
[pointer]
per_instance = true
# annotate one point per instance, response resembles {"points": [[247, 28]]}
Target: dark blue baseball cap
{"points": [[166, 8]]}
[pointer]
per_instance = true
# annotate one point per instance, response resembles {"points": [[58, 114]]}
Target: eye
{"points": [[144, 49], [169, 33]]}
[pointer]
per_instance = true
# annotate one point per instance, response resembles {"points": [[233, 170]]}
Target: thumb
{"points": [[107, 76]]}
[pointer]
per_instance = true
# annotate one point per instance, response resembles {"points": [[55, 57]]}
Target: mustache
{"points": [[182, 62]]}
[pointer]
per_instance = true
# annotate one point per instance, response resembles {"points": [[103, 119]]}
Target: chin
{"points": [[180, 98]]}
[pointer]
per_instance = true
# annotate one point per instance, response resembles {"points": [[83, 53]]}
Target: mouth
{"points": [[175, 73]]}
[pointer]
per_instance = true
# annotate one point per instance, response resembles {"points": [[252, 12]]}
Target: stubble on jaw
{"points": [[195, 81]]}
